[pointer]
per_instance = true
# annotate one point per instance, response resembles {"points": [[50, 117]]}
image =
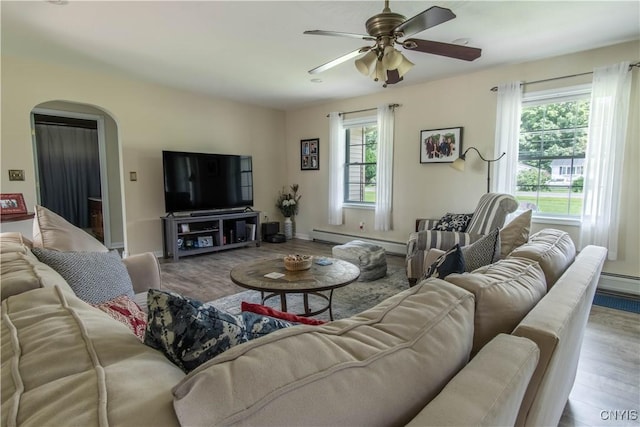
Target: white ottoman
{"points": [[370, 258]]}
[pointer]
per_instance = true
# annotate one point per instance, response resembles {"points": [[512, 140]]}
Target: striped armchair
{"points": [[490, 214]]}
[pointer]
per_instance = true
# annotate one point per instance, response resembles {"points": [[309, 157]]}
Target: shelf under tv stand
{"points": [[186, 235]]}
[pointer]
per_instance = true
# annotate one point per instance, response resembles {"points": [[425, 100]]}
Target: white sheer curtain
{"points": [[336, 168], [384, 169], [508, 115], [604, 159]]}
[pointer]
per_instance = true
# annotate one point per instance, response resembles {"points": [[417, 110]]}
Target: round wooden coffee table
{"points": [[306, 282]]}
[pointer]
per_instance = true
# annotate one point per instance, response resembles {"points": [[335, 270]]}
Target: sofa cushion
{"points": [[449, 262], [21, 271], [52, 231], [189, 332], [552, 249], [95, 277], [378, 368], [482, 252], [515, 233], [65, 362], [504, 294]]}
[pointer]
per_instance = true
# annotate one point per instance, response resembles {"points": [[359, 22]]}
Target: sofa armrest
{"points": [[489, 390], [144, 271], [426, 223], [557, 325]]}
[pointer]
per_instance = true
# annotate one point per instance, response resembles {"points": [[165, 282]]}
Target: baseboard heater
{"points": [[620, 283], [340, 238]]}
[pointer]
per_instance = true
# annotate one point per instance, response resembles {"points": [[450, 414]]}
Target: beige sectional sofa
{"points": [[406, 361]]}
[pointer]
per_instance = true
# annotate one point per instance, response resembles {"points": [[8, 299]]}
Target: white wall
{"points": [[430, 190], [149, 118]]}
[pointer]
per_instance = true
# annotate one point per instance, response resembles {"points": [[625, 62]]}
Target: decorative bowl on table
{"points": [[297, 262]]}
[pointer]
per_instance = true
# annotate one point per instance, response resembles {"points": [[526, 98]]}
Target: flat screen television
{"points": [[206, 182]]}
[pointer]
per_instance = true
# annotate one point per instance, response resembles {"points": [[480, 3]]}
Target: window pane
{"points": [[357, 189], [360, 172], [552, 147]]}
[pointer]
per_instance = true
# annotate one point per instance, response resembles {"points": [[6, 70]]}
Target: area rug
{"points": [[347, 301]]}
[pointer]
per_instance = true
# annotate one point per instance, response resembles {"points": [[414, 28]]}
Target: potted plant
{"points": [[288, 204]]}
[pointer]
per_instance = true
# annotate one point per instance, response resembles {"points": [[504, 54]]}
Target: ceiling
{"points": [[256, 52]]}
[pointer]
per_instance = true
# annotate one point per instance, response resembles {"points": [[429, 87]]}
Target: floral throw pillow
{"points": [[453, 222], [125, 310], [190, 332]]}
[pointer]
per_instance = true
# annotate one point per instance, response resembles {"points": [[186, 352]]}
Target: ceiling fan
{"points": [[382, 61]]}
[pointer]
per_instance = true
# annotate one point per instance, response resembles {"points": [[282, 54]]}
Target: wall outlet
{"points": [[16, 175], [361, 225]]}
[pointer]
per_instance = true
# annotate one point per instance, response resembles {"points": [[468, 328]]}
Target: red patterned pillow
{"points": [[125, 310], [268, 311]]}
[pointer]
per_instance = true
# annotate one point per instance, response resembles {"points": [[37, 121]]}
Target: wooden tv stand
{"points": [[198, 234]]}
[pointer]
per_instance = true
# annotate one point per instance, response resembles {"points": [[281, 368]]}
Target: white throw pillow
{"points": [[52, 231]]}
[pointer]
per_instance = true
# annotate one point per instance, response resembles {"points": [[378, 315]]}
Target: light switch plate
{"points": [[133, 176], [16, 175]]}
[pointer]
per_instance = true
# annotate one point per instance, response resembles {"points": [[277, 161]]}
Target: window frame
{"points": [[347, 125], [553, 96]]}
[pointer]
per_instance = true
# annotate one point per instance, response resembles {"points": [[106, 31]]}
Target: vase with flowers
{"points": [[288, 204]]}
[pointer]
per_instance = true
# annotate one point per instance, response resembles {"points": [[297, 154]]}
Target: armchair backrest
{"points": [[491, 212]]}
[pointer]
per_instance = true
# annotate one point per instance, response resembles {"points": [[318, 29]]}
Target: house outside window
{"points": [[361, 142], [552, 147]]}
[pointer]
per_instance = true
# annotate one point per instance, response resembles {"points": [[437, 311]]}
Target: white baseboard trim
{"points": [[340, 238], [616, 283]]}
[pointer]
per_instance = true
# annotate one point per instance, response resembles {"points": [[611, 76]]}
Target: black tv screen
{"points": [[201, 181]]}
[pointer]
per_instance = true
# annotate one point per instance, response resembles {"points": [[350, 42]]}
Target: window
{"points": [[361, 141], [551, 156]]}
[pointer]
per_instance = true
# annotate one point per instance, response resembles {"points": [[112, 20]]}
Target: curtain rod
{"points": [[366, 109], [495, 88]]}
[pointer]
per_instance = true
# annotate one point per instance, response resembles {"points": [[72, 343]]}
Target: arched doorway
{"points": [[91, 184]]}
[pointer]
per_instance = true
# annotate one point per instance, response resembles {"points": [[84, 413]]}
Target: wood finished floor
{"points": [[608, 377]]}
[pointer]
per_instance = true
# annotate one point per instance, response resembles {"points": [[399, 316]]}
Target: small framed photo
{"points": [[12, 203], [440, 145], [310, 154], [184, 228]]}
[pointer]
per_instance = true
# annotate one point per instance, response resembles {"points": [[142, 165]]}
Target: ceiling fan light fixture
{"points": [[380, 73], [392, 58], [365, 63], [405, 66]]}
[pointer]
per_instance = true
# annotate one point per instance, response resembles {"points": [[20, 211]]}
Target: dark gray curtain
{"points": [[69, 168]]}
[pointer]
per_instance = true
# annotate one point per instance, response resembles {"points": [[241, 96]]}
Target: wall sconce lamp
{"points": [[458, 163]]}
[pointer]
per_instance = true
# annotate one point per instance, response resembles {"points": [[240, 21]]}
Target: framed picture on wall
{"points": [[440, 145], [310, 154], [12, 203]]}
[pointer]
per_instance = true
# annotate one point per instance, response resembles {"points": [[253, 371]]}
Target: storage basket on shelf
{"points": [[297, 262]]}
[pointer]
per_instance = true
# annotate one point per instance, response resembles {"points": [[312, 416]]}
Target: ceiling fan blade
{"points": [[443, 49], [393, 77], [338, 34], [429, 18], [339, 60]]}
